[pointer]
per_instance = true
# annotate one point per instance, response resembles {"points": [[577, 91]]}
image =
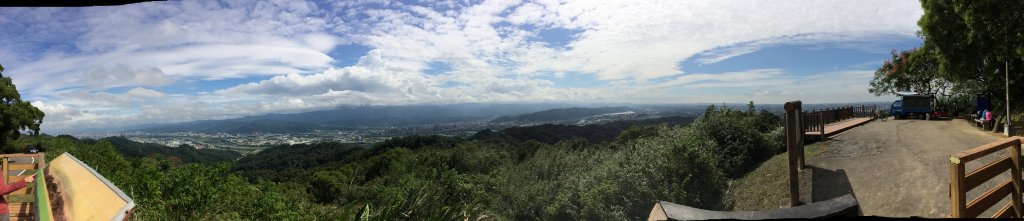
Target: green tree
{"points": [[915, 70], [974, 40], [15, 115]]}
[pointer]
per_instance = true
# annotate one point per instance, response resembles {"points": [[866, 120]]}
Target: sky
{"points": [[165, 62]]}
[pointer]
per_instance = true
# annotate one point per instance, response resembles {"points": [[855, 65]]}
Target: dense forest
{"points": [[594, 133], [441, 178], [182, 154]]}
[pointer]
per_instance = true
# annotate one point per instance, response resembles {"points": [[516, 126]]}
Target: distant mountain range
{"points": [[565, 114], [356, 117]]}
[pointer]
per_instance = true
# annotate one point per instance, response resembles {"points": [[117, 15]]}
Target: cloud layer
{"points": [[106, 67]]}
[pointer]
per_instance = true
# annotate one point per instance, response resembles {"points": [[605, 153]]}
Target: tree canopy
{"points": [[975, 41], [967, 48], [915, 70], [16, 115]]}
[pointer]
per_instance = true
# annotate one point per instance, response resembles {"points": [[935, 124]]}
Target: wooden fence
{"points": [[815, 121], [961, 182], [39, 208]]}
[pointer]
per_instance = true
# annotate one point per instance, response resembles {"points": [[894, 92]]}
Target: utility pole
{"points": [[1006, 72]]}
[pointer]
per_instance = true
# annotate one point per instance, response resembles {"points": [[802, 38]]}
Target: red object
{"points": [[6, 189]]}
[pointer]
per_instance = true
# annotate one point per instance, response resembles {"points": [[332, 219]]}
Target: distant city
{"points": [[253, 140]]}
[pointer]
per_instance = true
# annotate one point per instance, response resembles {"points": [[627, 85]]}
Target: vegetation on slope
{"points": [[764, 187], [443, 178], [422, 177], [182, 154], [593, 133]]}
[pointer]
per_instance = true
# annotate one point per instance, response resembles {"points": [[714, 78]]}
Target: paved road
{"points": [[896, 168], [20, 160]]}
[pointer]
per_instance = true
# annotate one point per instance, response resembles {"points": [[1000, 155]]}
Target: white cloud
{"points": [[348, 79], [321, 42], [624, 39], [190, 39], [141, 92], [119, 75], [757, 75], [761, 86], [71, 58], [56, 112]]}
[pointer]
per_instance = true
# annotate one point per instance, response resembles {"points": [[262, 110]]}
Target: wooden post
{"points": [[792, 149], [800, 133], [821, 128], [828, 115], [5, 170], [957, 195], [831, 115], [1015, 171]]}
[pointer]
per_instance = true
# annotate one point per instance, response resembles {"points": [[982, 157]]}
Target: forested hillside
{"points": [[426, 176], [593, 133], [441, 178], [180, 154]]}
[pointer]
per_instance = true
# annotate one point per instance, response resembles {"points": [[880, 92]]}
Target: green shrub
{"points": [[442, 178]]}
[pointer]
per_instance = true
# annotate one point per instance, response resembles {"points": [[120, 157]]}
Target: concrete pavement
{"points": [[896, 168]]}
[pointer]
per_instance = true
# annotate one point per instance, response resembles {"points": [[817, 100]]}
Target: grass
{"points": [[765, 187]]}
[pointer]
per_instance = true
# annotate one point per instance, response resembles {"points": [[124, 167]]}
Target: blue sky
{"points": [[162, 62]]}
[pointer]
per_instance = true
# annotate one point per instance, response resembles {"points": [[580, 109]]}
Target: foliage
{"points": [[974, 42], [190, 191], [289, 162], [915, 70], [974, 38], [593, 133], [740, 137], [442, 178], [17, 115], [503, 177], [181, 154]]}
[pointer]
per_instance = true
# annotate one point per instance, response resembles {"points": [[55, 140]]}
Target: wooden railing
{"points": [[961, 182], [815, 121], [40, 208]]}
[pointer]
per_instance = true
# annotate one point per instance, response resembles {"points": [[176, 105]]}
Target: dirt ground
{"points": [[896, 168]]}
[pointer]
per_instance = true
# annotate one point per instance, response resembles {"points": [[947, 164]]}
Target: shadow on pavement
{"points": [[828, 184]]}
